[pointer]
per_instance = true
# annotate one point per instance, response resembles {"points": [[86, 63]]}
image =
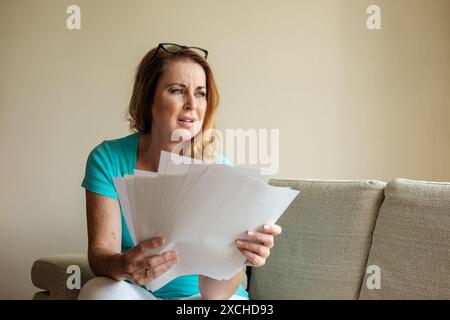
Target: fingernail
{"points": [[251, 233], [267, 227], [239, 243]]}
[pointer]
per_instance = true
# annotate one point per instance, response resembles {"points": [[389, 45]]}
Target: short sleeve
{"points": [[99, 172]]}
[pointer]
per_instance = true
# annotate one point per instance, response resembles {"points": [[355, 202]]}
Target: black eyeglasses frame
{"points": [[164, 44]]}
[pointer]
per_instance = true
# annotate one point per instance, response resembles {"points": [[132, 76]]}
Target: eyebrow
{"points": [[182, 85]]}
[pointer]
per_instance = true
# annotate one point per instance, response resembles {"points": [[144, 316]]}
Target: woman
{"points": [[174, 89]]}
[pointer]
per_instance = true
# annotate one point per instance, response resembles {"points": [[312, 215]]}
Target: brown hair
{"points": [[148, 74]]}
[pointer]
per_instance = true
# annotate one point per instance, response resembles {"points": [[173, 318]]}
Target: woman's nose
{"points": [[190, 102]]}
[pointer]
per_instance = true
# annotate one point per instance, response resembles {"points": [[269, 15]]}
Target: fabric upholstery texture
{"points": [[51, 274], [323, 249], [411, 242]]}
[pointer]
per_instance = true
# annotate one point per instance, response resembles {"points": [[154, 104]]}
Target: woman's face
{"points": [[180, 100]]}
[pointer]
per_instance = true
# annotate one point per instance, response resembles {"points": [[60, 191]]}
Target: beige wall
{"points": [[350, 103]]}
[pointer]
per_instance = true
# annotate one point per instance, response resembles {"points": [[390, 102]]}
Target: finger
{"points": [[264, 238], [140, 249], [255, 248], [254, 259], [156, 272], [150, 244], [137, 276], [159, 270], [156, 260], [151, 263], [272, 229], [134, 256]]}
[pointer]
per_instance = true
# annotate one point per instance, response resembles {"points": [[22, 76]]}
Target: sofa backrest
{"points": [[411, 242], [323, 250]]}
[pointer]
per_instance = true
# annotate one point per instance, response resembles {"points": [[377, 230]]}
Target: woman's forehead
{"points": [[184, 71]]}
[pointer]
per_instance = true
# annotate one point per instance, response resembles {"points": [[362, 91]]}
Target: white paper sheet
{"points": [[201, 210]]}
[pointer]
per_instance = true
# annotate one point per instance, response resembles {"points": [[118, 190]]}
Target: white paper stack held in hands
{"points": [[201, 210]]}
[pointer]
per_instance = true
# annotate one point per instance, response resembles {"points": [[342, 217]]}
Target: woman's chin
{"points": [[182, 134], [186, 131]]}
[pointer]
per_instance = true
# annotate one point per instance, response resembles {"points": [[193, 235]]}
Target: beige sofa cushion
{"points": [[411, 242], [323, 249], [50, 273]]}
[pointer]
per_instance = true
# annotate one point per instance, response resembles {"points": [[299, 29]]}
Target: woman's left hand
{"points": [[257, 247]]}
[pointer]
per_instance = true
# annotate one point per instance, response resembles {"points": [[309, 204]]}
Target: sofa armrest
{"points": [[50, 273]]}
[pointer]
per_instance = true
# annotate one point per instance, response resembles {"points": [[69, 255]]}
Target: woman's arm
{"points": [[212, 289], [105, 238], [104, 235]]}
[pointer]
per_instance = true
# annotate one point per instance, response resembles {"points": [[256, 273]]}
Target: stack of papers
{"points": [[201, 210]]}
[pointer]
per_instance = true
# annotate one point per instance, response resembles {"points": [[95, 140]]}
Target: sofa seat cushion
{"points": [[323, 249]]}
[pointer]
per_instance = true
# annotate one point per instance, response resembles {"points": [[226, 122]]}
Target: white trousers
{"points": [[103, 288]]}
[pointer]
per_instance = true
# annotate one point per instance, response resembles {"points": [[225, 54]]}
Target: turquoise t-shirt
{"points": [[116, 158]]}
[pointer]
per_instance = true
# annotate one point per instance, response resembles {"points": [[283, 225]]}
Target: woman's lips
{"points": [[187, 123]]}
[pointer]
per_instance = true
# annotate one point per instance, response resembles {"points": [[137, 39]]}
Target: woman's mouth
{"points": [[186, 121]]}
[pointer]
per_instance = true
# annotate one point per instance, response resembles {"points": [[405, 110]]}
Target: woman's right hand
{"points": [[135, 266]]}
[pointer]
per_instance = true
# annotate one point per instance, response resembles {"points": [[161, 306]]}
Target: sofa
{"points": [[361, 239]]}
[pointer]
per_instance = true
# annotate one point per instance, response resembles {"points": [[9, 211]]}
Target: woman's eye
{"points": [[176, 91], [181, 91]]}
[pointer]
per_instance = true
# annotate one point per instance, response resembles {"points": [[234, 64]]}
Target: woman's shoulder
{"points": [[127, 140], [113, 147], [115, 156]]}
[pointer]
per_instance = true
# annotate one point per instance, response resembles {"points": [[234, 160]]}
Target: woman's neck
{"points": [[149, 151]]}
